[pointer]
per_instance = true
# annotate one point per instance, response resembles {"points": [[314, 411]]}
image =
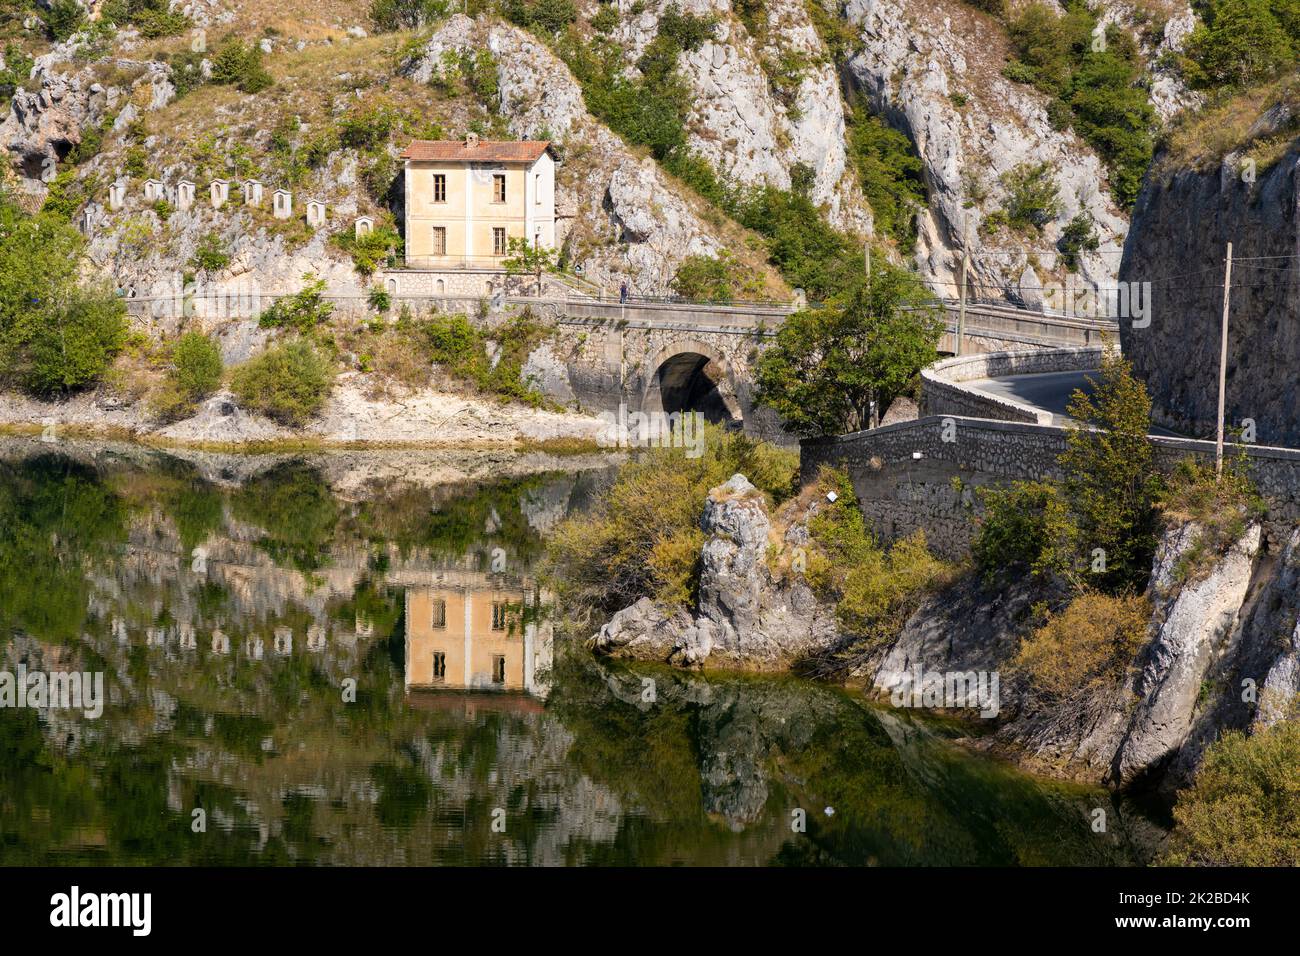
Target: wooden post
{"points": [[965, 267], [1223, 360]]}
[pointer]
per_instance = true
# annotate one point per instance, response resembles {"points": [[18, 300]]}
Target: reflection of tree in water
{"points": [[54, 514], [287, 773]]}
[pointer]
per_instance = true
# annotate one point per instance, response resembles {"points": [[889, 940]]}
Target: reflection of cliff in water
{"points": [[269, 632]]}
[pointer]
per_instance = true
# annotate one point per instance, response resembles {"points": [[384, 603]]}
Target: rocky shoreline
{"points": [[353, 416], [1219, 651]]}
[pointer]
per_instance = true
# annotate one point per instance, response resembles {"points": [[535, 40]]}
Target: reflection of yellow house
{"points": [[469, 638], [465, 200]]}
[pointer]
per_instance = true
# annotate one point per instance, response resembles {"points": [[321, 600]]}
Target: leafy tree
{"points": [[833, 370], [1240, 42], [526, 258], [1110, 475], [56, 334], [1106, 500]]}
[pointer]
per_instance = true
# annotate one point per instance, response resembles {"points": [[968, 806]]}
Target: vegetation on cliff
{"points": [[643, 537], [57, 333], [1098, 524], [1244, 807]]}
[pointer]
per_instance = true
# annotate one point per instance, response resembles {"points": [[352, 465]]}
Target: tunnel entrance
{"points": [[691, 382]]}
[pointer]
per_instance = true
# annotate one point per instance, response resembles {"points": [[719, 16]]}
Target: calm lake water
{"points": [[346, 659]]}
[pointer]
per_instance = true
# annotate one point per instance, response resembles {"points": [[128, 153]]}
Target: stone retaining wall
{"points": [[904, 473]]}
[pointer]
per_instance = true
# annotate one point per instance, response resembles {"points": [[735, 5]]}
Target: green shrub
{"points": [[152, 18], [63, 19], [715, 279], [545, 16], [196, 365], [462, 351], [874, 590], [390, 15], [643, 537], [1032, 200], [211, 254], [1025, 527], [239, 64], [1090, 644], [195, 373], [1244, 807], [378, 299], [371, 250], [1078, 236], [18, 67], [303, 311], [288, 382]]}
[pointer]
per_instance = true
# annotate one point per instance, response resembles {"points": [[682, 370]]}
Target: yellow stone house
{"points": [[466, 199]]}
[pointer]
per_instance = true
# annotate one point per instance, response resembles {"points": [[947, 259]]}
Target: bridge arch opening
{"points": [[692, 381]]}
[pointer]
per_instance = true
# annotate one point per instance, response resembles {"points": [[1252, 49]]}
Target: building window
{"points": [[439, 240], [498, 241], [439, 187], [499, 187], [498, 669], [439, 613], [498, 615], [537, 188], [439, 665]]}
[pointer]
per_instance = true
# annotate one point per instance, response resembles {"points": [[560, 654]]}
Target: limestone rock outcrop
{"points": [[746, 617]]}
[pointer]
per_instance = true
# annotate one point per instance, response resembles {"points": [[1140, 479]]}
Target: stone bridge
{"points": [[661, 355]]}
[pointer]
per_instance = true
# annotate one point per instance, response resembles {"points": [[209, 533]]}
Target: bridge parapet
{"points": [[944, 389]]}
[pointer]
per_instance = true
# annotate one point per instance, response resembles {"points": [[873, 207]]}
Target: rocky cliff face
{"points": [[1219, 654], [768, 94], [1182, 223]]}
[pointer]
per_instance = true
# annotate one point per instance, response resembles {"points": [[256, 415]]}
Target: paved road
{"points": [[1047, 391]]}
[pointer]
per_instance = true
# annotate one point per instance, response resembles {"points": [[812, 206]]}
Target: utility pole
{"points": [[1223, 360], [965, 267], [866, 254]]}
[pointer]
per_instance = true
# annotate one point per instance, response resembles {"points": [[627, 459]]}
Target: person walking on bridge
{"points": [[622, 292]]}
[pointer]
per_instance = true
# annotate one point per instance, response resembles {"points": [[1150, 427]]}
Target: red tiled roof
{"points": [[487, 151]]}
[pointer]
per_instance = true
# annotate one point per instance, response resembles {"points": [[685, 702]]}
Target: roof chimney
{"points": [[471, 140]]}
